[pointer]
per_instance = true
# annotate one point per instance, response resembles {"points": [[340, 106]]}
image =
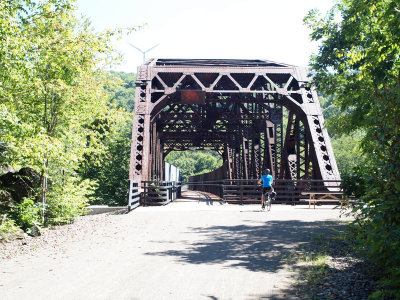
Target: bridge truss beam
{"points": [[234, 107]]}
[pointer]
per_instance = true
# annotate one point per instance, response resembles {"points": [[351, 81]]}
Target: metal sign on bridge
{"points": [[234, 107]]}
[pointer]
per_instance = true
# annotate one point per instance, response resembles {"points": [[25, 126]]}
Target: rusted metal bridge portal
{"points": [[256, 114]]}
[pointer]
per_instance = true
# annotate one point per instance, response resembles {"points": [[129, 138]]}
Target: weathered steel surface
{"points": [[235, 108]]}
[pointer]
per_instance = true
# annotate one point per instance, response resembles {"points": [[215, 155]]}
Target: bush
{"points": [[379, 236], [8, 228], [67, 202], [27, 214], [377, 223], [356, 182]]}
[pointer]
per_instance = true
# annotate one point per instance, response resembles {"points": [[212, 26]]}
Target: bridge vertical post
{"points": [[288, 148], [245, 157], [257, 157], [140, 145], [269, 147]]}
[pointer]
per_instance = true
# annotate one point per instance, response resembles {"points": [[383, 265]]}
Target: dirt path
{"points": [[186, 250]]}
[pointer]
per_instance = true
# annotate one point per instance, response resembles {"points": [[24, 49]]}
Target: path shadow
{"points": [[270, 247], [257, 248]]}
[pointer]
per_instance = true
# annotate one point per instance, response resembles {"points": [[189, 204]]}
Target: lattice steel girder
{"points": [[234, 82]]}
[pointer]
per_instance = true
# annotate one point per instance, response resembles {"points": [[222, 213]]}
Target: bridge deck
{"points": [[198, 196]]}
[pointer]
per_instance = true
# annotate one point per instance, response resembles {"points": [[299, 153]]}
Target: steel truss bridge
{"points": [[256, 114]]}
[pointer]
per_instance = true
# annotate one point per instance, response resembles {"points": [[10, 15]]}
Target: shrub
{"points": [[27, 214], [7, 228], [358, 182], [67, 202]]}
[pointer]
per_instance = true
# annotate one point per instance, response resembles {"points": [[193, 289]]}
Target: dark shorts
{"points": [[267, 189]]}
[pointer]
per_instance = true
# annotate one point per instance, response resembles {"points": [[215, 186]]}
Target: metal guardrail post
{"points": [[130, 195], [172, 190], [224, 190], [241, 194], [145, 190], [133, 195], [169, 192]]}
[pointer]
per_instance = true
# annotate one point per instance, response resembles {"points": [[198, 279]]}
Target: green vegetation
{"points": [[194, 162], [313, 270], [27, 214], [109, 168], [8, 229], [346, 146], [359, 62], [311, 267], [318, 268], [56, 111], [123, 92], [63, 119]]}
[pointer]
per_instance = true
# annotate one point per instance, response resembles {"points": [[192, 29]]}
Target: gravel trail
{"points": [[191, 249]]}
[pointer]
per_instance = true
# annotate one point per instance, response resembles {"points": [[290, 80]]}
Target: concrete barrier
{"points": [[102, 209]]}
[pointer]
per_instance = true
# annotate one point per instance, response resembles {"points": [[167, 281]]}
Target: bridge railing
{"points": [[133, 194], [213, 187], [247, 191], [210, 182], [235, 191], [159, 192]]}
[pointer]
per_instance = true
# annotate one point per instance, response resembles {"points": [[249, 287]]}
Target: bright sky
{"points": [[245, 29]]}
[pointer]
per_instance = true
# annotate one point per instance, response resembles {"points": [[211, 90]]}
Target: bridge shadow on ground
{"points": [[254, 247], [259, 247]]}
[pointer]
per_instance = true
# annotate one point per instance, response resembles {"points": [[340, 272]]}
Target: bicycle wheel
{"points": [[268, 204]]}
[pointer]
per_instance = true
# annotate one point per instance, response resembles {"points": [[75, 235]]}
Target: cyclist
{"points": [[266, 180]]}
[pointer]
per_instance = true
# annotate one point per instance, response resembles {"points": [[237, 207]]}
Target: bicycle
{"points": [[269, 196], [267, 203]]}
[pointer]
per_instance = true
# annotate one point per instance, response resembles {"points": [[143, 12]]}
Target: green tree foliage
{"points": [[359, 63], [194, 162], [123, 94], [346, 146], [51, 91], [109, 168], [27, 213], [347, 152]]}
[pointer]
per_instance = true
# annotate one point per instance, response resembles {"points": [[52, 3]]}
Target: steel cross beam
{"points": [[234, 106]]}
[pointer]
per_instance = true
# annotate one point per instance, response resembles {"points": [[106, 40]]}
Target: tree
{"points": [[346, 146], [194, 162], [109, 168], [359, 63], [52, 89], [123, 95]]}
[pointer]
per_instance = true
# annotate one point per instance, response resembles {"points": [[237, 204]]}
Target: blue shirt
{"points": [[267, 179]]}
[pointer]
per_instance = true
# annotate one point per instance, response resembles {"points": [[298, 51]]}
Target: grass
{"points": [[311, 268], [310, 262]]}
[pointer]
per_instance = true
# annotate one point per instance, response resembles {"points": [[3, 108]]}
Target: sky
{"points": [[230, 29]]}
